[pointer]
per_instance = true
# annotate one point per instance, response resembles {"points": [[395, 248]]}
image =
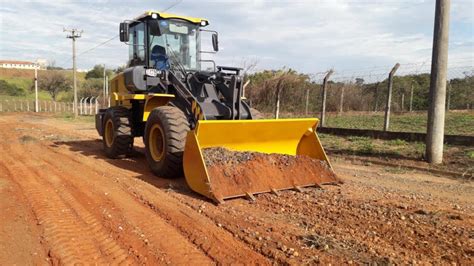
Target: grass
{"points": [[69, 117], [456, 158], [353, 145], [457, 123]]}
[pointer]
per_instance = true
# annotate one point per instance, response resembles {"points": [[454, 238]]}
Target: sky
{"points": [[308, 36]]}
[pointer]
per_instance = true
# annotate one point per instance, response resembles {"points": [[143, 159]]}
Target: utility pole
{"points": [[36, 89], [437, 96], [389, 97], [323, 105], [411, 98], [74, 34]]}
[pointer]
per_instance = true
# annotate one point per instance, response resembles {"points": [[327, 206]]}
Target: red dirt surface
{"points": [[62, 202]]}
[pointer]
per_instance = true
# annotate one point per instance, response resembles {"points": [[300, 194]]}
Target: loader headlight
{"points": [[151, 72], [204, 23], [154, 16]]}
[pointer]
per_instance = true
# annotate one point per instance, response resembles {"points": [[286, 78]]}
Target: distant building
{"points": [[41, 63]]}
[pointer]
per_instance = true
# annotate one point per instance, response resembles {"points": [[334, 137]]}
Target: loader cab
{"points": [[159, 40]]}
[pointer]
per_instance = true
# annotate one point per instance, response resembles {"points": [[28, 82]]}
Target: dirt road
{"points": [[63, 202]]}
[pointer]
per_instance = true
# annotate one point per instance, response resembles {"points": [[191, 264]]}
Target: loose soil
{"points": [[63, 202], [234, 173]]}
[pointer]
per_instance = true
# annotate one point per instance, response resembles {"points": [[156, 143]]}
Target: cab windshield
{"points": [[178, 45]]}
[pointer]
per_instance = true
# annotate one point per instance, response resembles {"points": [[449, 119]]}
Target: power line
{"points": [[112, 38], [172, 5]]}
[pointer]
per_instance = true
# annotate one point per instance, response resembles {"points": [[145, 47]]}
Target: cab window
{"points": [[137, 45]]}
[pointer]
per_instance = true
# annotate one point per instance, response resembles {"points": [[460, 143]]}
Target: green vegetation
{"points": [[457, 123], [366, 146], [359, 94], [456, 158]]}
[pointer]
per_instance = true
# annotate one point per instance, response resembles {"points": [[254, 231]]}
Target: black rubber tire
{"points": [[256, 114], [122, 138], [174, 127]]}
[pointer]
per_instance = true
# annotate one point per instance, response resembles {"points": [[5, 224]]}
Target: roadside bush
{"points": [[11, 89]]}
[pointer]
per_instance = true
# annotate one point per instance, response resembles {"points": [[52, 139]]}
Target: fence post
{"points": [[403, 102], [90, 105], [1, 107], [97, 105], [389, 97], [80, 106], [411, 98], [307, 101], [341, 101], [27, 106], [323, 105]]}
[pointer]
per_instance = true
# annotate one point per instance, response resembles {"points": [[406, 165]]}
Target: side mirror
{"points": [[215, 42], [154, 27], [124, 32]]}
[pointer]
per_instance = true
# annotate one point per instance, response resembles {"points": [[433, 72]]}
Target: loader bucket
{"points": [[282, 137]]}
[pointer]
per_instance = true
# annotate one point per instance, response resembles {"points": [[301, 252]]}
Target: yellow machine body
{"points": [[283, 136]]}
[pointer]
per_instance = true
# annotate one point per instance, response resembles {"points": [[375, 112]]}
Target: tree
{"points": [[10, 89], [53, 82], [120, 69], [90, 87], [98, 72]]}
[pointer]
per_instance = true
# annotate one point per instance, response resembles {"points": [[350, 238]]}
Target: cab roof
{"points": [[171, 16]]}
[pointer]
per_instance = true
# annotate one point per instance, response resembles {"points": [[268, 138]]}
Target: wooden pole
{"points": [[323, 105], [437, 95], [389, 97], [411, 98]]}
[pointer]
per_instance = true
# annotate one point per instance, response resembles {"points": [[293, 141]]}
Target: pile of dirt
{"points": [[234, 174]]}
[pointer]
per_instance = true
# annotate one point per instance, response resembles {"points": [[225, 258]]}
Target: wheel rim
{"points": [[109, 133], [156, 142]]}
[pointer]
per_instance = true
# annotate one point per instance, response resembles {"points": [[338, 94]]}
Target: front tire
{"points": [[117, 138], [165, 137]]}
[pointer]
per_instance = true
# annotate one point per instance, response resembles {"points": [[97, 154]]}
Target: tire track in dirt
{"points": [[227, 248], [157, 234], [160, 237], [65, 233]]}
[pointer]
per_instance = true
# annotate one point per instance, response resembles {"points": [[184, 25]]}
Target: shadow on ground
{"points": [[135, 163]]}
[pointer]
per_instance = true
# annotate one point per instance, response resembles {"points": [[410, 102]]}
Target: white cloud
{"points": [[309, 36]]}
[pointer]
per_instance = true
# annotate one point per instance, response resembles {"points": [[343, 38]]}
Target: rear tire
{"points": [[117, 137], [165, 137]]}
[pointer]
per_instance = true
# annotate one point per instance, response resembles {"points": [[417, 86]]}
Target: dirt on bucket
{"points": [[234, 174]]}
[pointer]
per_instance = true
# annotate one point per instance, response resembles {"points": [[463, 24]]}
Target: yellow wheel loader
{"points": [[166, 96]]}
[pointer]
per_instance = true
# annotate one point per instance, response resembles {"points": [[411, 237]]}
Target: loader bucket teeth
{"points": [[282, 137]]}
